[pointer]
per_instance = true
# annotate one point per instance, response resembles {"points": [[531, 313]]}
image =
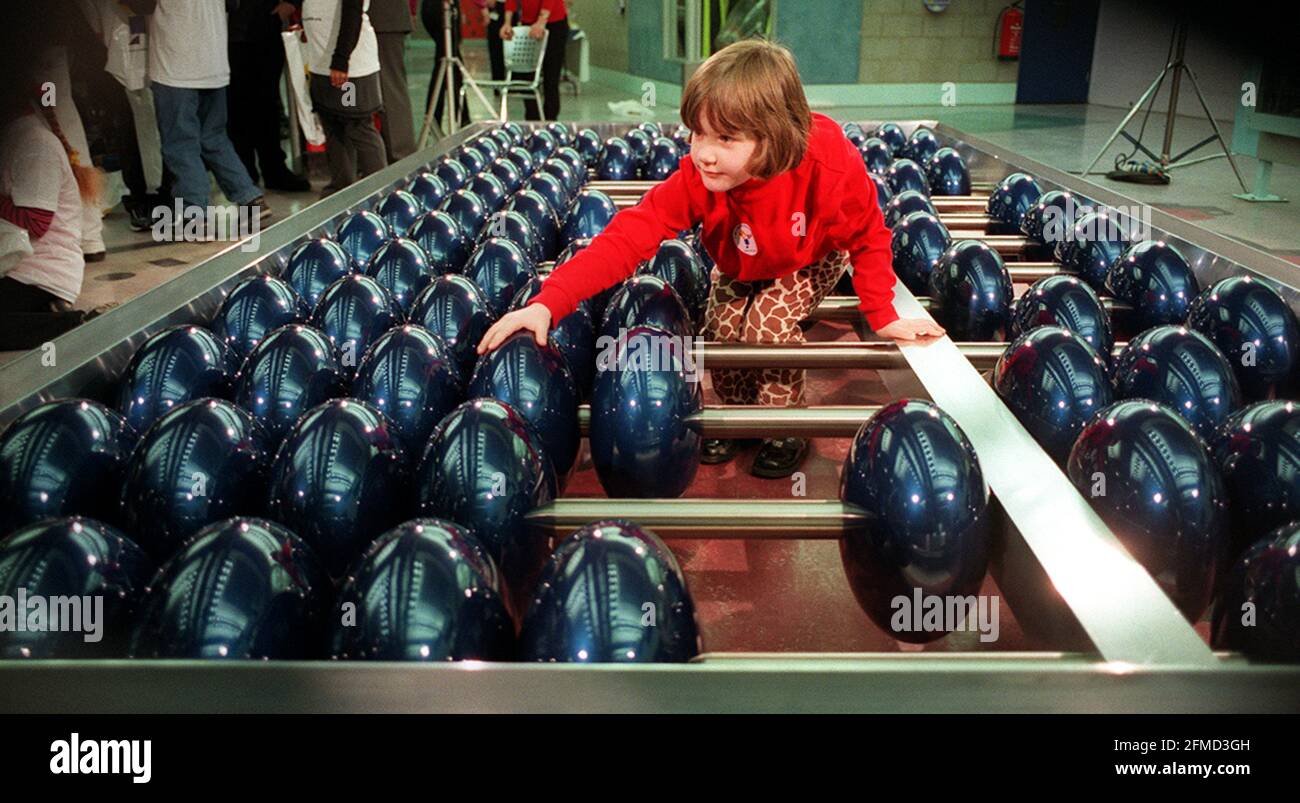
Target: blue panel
{"points": [[645, 43], [824, 37]]}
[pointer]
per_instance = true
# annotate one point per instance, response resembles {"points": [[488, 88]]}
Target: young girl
{"points": [[786, 207]]}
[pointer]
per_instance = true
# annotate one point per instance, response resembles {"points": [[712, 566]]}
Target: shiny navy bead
{"points": [[467, 209], [947, 174], [588, 144], [616, 161], [1156, 281], [455, 309], [645, 301], [876, 155], [665, 158], [597, 303], [1051, 217], [1258, 610], [1258, 453], [1054, 383], [490, 189], [1092, 246], [926, 530], [883, 192], [361, 234], [453, 173], [1255, 330], [921, 146], [971, 293], [410, 376], [574, 335], [425, 590], [294, 369], [401, 267], [1149, 477], [1011, 199], [905, 203], [339, 480], [893, 137], [592, 600], [1180, 368], [1067, 302], [513, 226], [315, 265], [253, 309], [487, 145], [904, 174], [565, 173], [682, 136], [646, 385], [503, 138], [485, 469], [539, 214], [523, 160], [176, 365], [562, 133], [507, 172], [68, 558], [353, 313], [553, 190], [537, 383], [677, 263], [501, 269], [399, 210], [445, 243], [652, 128], [200, 463], [242, 589], [472, 159], [639, 141], [541, 144], [575, 162], [516, 131], [590, 213], [63, 458], [918, 241], [429, 190], [855, 134]]}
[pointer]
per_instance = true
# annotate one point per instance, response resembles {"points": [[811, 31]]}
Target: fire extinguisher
{"points": [[1011, 23]]}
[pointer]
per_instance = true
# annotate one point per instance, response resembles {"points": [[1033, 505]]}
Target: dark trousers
{"points": [[431, 16], [396, 125], [28, 316], [253, 104], [496, 51], [552, 66]]}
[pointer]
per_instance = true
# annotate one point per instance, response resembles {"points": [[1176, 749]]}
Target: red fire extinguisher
{"points": [[1011, 23]]}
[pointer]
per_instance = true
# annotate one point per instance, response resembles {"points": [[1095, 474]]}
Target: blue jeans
{"points": [[192, 124]]}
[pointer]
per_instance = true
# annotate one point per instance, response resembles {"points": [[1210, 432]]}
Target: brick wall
{"points": [[902, 43]]}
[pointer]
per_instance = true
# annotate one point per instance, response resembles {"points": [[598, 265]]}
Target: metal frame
{"points": [[1137, 653]]}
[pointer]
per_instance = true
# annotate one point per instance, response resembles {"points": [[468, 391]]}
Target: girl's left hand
{"points": [[338, 78], [909, 329], [538, 30]]}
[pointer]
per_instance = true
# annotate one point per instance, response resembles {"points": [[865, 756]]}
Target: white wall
{"points": [[1132, 42]]}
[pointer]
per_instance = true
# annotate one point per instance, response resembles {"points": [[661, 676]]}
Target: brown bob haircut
{"points": [[752, 87]]}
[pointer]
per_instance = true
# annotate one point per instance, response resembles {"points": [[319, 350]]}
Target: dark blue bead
{"points": [[617, 162], [202, 462], [1011, 199], [513, 226], [401, 267], [455, 309], [294, 369], [410, 376], [361, 234], [80, 558], [490, 189], [883, 192], [353, 312], [523, 160], [444, 242], [553, 190], [971, 293], [682, 136], [876, 155], [1055, 384], [918, 241], [893, 136], [1255, 330], [665, 158], [424, 591], [399, 209], [564, 172], [1067, 302], [611, 593], [176, 365], [253, 309], [647, 383], [537, 210], [677, 264], [645, 301], [905, 203], [576, 163], [904, 174], [315, 265], [63, 458], [1156, 281], [472, 159], [1258, 611], [541, 144], [1052, 217], [946, 173], [1149, 477], [453, 173], [467, 209], [1258, 453], [501, 269], [589, 144], [429, 190], [242, 589], [926, 528], [921, 146], [1180, 368], [507, 172], [590, 213], [563, 136], [574, 336], [1092, 246]]}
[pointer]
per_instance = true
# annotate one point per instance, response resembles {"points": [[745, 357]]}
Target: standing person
{"points": [[432, 17], [343, 58], [759, 159], [256, 70], [494, 16], [392, 22], [541, 17], [54, 69], [190, 70]]}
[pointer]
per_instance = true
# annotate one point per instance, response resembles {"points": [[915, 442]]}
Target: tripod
{"points": [[450, 68], [1174, 68]]}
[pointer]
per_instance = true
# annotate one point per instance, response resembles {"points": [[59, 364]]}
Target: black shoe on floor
{"points": [[779, 457], [722, 450], [288, 182]]}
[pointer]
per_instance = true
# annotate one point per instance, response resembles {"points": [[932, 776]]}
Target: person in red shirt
{"points": [[542, 16], [786, 207]]}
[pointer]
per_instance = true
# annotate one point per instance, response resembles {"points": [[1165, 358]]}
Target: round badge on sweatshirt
{"points": [[743, 236]]}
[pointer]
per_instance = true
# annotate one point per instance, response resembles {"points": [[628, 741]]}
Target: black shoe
{"points": [[779, 457], [722, 450], [288, 182], [96, 256]]}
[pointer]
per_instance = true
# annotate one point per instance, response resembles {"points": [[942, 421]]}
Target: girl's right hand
{"points": [[507, 31], [536, 318]]}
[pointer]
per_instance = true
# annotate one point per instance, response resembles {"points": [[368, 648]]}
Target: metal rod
{"points": [[839, 354], [741, 421], [764, 519], [1021, 272]]}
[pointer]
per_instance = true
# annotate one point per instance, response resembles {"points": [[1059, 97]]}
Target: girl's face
{"points": [[721, 158]]}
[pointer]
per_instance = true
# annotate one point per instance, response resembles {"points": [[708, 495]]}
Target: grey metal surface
{"points": [[706, 518], [738, 421]]}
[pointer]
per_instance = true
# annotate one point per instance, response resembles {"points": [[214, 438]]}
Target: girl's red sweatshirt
{"points": [[762, 229]]}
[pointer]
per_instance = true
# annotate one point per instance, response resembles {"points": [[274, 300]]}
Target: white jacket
{"points": [[320, 22]]}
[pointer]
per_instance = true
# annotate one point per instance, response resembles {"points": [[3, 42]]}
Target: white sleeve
{"points": [[36, 171]]}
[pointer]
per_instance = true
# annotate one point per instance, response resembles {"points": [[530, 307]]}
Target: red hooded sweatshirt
{"points": [[762, 229]]}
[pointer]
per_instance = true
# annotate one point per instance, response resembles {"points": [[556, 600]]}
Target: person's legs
{"points": [[65, 111], [398, 126], [146, 135], [244, 112], [552, 66], [266, 134], [338, 152], [218, 153], [496, 50], [366, 145], [723, 319], [28, 316], [178, 127]]}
